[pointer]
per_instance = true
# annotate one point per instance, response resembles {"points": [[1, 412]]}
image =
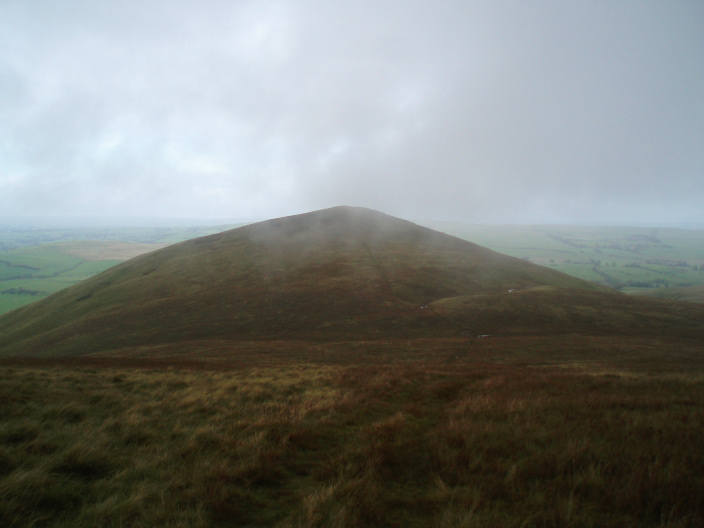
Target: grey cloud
{"points": [[481, 111]]}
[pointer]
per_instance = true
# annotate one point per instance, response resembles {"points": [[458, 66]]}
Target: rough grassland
{"points": [[497, 443]]}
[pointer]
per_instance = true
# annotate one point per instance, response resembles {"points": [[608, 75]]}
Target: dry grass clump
{"points": [[384, 445]]}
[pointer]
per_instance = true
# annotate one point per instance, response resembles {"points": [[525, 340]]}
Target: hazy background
{"points": [[486, 111]]}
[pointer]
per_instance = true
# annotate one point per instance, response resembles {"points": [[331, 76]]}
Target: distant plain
{"points": [[630, 259]]}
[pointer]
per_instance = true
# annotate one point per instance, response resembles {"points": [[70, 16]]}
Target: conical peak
{"points": [[341, 222], [339, 215], [338, 273]]}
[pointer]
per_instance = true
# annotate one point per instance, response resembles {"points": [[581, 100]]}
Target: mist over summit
{"points": [[337, 274], [461, 111]]}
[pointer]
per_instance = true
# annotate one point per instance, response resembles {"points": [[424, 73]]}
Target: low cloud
{"points": [[477, 111]]}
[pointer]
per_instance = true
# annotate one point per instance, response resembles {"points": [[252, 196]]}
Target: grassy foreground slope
{"points": [[691, 293], [337, 274], [480, 442]]}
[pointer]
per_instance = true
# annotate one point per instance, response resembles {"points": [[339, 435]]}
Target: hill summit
{"points": [[337, 274]]}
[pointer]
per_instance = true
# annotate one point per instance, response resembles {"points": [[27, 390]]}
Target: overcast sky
{"points": [[480, 111]]}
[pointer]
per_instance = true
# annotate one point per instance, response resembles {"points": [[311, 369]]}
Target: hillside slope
{"points": [[691, 293], [337, 274]]}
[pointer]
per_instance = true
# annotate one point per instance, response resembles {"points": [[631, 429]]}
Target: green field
{"points": [[16, 237], [35, 263], [31, 273]]}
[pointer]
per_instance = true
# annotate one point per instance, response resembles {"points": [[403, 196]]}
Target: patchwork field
{"points": [[34, 272], [631, 259]]}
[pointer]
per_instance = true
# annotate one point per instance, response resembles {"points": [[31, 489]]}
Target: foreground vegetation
{"points": [[411, 443]]}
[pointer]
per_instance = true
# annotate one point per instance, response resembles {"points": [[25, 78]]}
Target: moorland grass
{"points": [[412, 444]]}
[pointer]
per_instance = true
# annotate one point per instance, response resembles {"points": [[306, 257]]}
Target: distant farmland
{"points": [[35, 263], [630, 259]]}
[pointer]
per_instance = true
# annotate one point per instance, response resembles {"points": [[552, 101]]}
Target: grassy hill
{"points": [[37, 262], [337, 274], [340, 273], [324, 370], [690, 293]]}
